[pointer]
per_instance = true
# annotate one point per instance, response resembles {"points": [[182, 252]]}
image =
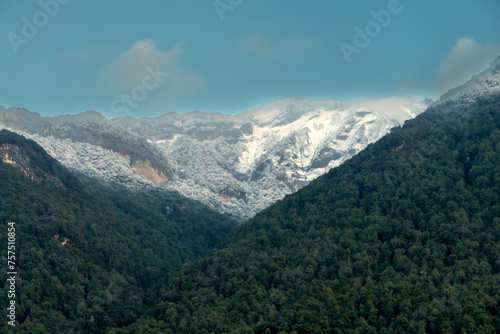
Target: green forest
{"points": [[87, 257], [402, 238]]}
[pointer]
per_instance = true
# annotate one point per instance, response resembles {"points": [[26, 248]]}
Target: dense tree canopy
{"points": [[87, 258], [403, 238]]}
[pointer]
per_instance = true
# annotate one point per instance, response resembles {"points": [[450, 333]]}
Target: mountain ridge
{"points": [[485, 83], [236, 164]]}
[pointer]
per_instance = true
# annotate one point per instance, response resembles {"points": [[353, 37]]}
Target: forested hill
{"points": [[402, 238], [86, 259]]}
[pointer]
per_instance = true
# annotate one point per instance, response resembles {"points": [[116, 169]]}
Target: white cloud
{"points": [[465, 59], [269, 50], [130, 68]]}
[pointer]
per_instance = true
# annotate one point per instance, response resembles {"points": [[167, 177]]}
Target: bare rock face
{"points": [[12, 155], [26, 156]]}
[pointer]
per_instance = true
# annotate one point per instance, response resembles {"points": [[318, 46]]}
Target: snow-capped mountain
{"points": [[236, 164]]}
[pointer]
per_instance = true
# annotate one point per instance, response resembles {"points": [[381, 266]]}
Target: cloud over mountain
{"points": [[128, 70], [466, 58]]}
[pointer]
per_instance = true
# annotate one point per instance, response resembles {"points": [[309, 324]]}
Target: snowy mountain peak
{"points": [[289, 110], [236, 164]]}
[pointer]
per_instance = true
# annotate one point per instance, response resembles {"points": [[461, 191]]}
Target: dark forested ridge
{"points": [[403, 238], [86, 258]]}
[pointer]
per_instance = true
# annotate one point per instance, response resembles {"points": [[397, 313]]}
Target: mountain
{"points": [[29, 158], [237, 165], [402, 238], [86, 257], [485, 83]]}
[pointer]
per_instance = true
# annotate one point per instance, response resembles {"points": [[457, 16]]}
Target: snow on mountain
{"points": [[484, 83], [236, 164]]}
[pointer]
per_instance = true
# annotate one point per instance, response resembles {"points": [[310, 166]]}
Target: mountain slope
{"points": [[87, 258], [403, 237], [235, 164], [484, 83]]}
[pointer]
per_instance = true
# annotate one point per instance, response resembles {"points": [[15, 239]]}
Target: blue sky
{"points": [[148, 58]]}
